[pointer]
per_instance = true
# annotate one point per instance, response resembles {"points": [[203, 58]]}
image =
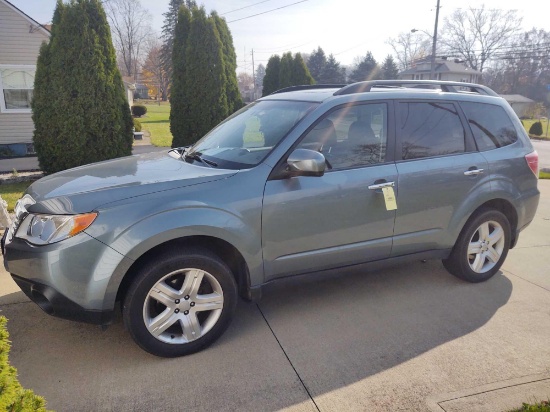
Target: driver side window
{"points": [[352, 136]]}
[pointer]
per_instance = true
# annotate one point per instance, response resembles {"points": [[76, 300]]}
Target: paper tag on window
{"points": [[389, 198]]}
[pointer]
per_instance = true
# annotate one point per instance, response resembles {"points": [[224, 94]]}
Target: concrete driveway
{"points": [[409, 338]]}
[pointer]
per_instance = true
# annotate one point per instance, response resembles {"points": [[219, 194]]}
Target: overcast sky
{"points": [[346, 28]]}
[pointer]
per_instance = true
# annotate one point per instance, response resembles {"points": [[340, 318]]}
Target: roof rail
{"points": [[451, 87], [309, 87]]}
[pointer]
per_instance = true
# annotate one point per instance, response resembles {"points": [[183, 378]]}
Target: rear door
{"points": [[439, 169]]}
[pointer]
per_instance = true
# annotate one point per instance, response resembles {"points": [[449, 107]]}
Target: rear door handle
{"points": [[473, 172], [381, 185]]}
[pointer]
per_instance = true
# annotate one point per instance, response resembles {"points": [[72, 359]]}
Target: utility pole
{"points": [[434, 43], [254, 75]]}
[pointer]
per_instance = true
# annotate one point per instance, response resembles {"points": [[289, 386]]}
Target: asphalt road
{"points": [[543, 149], [408, 338]]}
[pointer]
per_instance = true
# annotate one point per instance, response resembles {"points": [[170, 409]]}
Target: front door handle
{"points": [[473, 172], [381, 185]]}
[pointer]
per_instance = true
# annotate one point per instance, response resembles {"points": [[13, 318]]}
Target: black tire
{"points": [[460, 263], [138, 304]]}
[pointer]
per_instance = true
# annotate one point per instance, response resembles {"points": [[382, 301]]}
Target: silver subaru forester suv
{"points": [[308, 179]]}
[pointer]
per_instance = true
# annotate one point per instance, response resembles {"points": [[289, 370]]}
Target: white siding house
{"points": [[20, 40], [519, 103], [445, 70]]}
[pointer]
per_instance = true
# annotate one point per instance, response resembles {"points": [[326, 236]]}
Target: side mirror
{"points": [[305, 162]]}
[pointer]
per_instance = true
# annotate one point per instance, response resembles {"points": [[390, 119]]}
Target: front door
{"points": [[315, 223]]}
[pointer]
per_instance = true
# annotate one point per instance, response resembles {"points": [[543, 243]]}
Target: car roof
{"points": [[387, 89]]}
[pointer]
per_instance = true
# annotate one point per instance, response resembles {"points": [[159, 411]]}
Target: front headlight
{"points": [[46, 229]]}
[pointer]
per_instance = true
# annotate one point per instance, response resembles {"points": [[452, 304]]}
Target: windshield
{"points": [[246, 138]]}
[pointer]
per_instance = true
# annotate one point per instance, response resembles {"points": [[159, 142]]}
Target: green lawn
{"points": [[157, 123], [12, 192], [544, 175]]}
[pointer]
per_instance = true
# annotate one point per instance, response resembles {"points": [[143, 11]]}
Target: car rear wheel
{"points": [[180, 303], [481, 247]]}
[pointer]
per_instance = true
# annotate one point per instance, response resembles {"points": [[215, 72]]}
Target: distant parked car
{"points": [[306, 179]]}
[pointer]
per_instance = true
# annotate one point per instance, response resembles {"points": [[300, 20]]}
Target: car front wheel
{"points": [[180, 303], [481, 248]]}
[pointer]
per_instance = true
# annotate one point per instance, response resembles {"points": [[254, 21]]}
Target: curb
{"points": [[6, 179]]}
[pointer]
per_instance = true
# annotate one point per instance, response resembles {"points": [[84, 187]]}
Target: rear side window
{"points": [[430, 129], [490, 124]]}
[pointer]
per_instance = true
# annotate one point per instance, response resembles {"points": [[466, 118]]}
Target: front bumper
{"points": [[69, 279], [56, 304]]}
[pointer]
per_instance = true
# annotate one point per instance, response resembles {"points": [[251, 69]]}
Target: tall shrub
{"points": [[234, 99], [168, 34], [179, 100], [300, 73], [205, 79], [79, 107], [285, 71], [271, 78]]}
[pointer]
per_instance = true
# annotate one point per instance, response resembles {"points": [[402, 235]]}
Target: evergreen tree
{"points": [[389, 70], [234, 99], [316, 63], [271, 79], [285, 71], [168, 33], [179, 99], [79, 107], [300, 74], [205, 79], [332, 72], [260, 74], [367, 69]]}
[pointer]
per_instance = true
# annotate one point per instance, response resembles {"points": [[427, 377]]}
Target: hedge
{"points": [[13, 397], [536, 129], [137, 125], [139, 110]]}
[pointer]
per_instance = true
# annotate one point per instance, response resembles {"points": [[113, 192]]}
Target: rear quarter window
{"points": [[490, 124]]}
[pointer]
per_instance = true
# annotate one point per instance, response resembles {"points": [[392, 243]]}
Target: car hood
{"points": [[86, 188]]}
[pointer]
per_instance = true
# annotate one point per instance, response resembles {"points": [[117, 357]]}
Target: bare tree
{"points": [[130, 25], [409, 47], [524, 67], [475, 35], [154, 71]]}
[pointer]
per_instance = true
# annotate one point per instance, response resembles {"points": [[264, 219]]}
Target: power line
{"points": [[269, 11], [351, 48], [283, 48], [245, 7]]}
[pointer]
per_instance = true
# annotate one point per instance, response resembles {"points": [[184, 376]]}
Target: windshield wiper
{"points": [[197, 156]]}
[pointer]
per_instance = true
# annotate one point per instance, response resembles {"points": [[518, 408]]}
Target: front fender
{"points": [[169, 225], [230, 212]]}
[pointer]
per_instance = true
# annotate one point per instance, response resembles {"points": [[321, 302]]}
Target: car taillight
{"points": [[533, 162]]}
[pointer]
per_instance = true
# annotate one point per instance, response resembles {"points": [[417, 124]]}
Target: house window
{"points": [[16, 88]]}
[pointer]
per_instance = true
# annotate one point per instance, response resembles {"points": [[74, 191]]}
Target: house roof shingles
{"points": [[441, 66]]}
